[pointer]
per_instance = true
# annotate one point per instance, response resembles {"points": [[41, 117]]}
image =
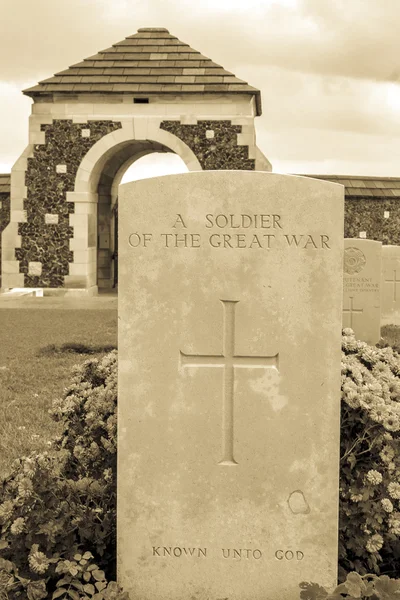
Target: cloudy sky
{"points": [[328, 70]]}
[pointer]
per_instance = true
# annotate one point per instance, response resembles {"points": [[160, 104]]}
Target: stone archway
{"points": [[149, 89], [96, 185], [107, 207]]}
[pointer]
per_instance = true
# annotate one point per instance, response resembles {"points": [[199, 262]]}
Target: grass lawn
{"points": [[34, 369]]}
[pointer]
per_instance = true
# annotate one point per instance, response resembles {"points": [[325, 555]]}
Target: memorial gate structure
{"points": [[148, 93]]}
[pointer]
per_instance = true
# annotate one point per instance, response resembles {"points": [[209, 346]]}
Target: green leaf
{"points": [[92, 568], [87, 555], [89, 589], [77, 557], [58, 593], [370, 589], [63, 581], [3, 544], [60, 568], [6, 565], [73, 594], [36, 590], [77, 584], [86, 576], [340, 589], [312, 591], [99, 575], [100, 585], [386, 587], [355, 585]]}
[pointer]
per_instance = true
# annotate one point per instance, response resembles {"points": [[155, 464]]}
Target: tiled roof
{"points": [[150, 61], [379, 187], [5, 183]]}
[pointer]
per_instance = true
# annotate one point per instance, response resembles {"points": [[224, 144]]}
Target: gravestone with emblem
{"points": [[391, 285], [230, 293], [362, 288]]}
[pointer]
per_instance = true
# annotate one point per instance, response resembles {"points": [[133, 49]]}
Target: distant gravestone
{"points": [[362, 288], [229, 385], [391, 285]]}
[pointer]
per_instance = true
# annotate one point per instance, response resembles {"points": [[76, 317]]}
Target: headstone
{"points": [[230, 304], [362, 288], [391, 285]]}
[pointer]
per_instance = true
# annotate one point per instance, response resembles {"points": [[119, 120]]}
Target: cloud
{"points": [[348, 38], [309, 151], [15, 110], [292, 100], [327, 70]]}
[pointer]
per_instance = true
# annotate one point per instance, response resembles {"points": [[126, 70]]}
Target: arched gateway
{"points": [[148, 93]]}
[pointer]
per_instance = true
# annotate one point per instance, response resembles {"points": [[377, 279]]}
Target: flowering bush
{"points": [[58, 510], [57, 507], [370, 459]]}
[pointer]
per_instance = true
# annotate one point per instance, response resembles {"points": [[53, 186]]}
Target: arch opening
{"points": [[122, 166]]}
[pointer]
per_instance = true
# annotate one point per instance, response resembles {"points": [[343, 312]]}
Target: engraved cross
{"points": [[352, 310], [228, 360], [395, 281]]}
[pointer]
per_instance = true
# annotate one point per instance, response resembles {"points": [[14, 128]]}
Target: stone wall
{"points": [[44, 255], [215, 143], [368, 215]]}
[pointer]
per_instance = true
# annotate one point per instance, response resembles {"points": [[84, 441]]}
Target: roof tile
{"points": [[94, 79], [185, 63], [193, 71], [165, 78], [104, 63], [175, 87], [210, 79], [114, 71], [217, 87], [125, 87], [185, 79], [167, 71], [193, 88], [141, 78]]}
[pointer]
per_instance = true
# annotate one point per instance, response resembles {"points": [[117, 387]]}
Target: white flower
{"points": [[386, 455], [373, 477], [394, 490], [387, 505], [38, 562], [374, 543], [18, 526]]}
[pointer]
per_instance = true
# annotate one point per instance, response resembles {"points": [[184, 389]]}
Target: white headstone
{"points": [[362, 288], [391, 285], [230, 304]]}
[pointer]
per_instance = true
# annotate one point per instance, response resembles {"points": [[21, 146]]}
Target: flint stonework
{"points": [[230, 305]]}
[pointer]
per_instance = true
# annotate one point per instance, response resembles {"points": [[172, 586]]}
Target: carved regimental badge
{"points": [[354, 260]]}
